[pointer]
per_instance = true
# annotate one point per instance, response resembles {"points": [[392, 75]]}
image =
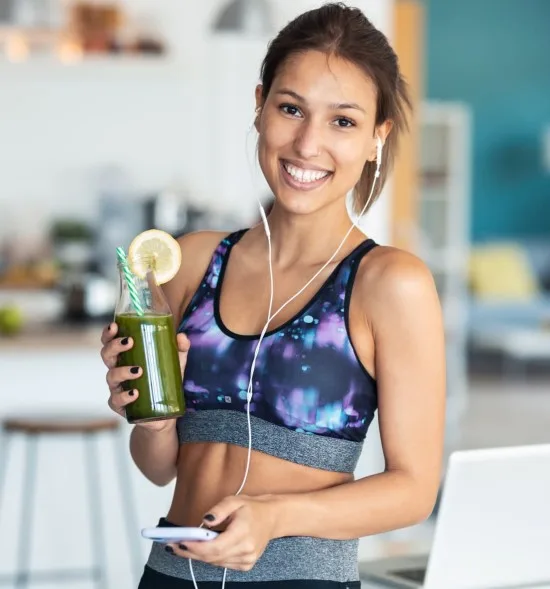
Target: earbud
{"points": [[379, 147]]}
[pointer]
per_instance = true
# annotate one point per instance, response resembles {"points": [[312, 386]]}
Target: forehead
{"points": [[319, 76]]}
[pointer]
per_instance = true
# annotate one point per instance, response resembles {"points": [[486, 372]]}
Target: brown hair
{"points": [[341, 31]]}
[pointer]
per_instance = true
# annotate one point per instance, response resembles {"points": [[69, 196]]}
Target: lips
{"points": [[303, 178]]}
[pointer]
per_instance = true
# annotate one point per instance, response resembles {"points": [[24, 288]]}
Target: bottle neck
{"points": [[140, 295]]}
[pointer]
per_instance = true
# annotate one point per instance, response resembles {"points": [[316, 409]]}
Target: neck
{"points": [[310, 239]]}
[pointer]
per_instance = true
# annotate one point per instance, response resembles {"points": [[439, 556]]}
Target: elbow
{"points": [[422, 513], [423, 505], [415, 513], [418, 500], [162, 482], [161, 479]]}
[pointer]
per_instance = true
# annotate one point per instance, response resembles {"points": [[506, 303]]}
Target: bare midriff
{"points": [[208, 472]]}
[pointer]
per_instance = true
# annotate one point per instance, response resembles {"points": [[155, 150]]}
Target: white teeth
{"points": [[304, 175]]}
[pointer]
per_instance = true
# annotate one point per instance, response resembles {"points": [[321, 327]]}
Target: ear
{"points": [[259, 104], [381, 131], [259, 95]]}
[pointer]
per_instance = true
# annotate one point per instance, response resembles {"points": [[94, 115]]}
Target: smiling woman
{"points": [[311, 136], [290, 344]]}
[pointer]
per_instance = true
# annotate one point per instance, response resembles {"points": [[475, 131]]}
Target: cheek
{"points": [[263, 154], [275, 136], [350, 157]]}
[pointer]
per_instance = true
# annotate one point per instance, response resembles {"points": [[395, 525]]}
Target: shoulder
{"points": [[390, 278], [197, 249]]}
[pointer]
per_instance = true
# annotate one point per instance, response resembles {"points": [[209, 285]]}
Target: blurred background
{"points": [[116, 117]]}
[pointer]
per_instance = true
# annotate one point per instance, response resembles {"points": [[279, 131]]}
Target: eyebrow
{"points": [[333, 105]]}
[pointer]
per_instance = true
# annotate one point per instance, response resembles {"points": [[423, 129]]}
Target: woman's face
{"points": [[316, 130]]}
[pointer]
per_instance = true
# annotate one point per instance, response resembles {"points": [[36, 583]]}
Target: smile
{"points": [[302, 177]]}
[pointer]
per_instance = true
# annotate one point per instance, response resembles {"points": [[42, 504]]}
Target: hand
{"points": [[250, 526], [117, 375]]}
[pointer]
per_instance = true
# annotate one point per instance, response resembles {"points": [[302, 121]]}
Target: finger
{"points": [[204, 551], [183, 348], [183, 342], [118, 401], [111, 351], [117, 376], [183, 551], [234, 545], [220, 512], [108, 333]]}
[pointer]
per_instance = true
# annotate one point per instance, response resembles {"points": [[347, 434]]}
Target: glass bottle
{"points": [[150, 324]]}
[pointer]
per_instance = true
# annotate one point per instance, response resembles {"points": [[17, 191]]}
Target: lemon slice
{"points": [[155, 249]]}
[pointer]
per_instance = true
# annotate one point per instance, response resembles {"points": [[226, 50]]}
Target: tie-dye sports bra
{"points": [[313, 400]]}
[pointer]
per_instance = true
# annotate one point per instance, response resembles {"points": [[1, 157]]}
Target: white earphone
{"points": [[270, 316], [379, 148]]}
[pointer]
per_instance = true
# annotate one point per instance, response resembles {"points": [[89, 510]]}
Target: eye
{"points": [[344, 122], [290, 109]]}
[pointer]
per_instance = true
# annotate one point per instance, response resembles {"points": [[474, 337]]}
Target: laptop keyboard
{"points": [[416, 575]]}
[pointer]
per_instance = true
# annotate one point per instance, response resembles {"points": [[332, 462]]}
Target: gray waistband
{"points": [[284, 559], [231, 427]]}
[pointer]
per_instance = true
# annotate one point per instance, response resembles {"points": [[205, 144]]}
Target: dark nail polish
{"points": [[169, 549], [134, 369], [132, 393], [124, 342], [182, 546], [209, 517]]}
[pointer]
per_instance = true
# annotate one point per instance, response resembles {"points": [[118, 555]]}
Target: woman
{"points": [[366, 334]]}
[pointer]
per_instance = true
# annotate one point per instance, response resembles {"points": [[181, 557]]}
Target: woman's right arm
{"points": [[155, 452], [153, 445]]}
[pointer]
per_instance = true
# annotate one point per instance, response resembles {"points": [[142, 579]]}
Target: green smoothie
{"points": [[155, 351]]}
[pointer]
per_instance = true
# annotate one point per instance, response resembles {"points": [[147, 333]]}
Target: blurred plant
{"points": [[65, 230]]}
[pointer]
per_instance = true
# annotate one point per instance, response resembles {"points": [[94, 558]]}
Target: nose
{"points": [[308, 140]]}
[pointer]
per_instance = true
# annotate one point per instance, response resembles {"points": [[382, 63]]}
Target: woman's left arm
{"points": [[404, 315]]}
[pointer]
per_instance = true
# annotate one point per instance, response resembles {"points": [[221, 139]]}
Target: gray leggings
{"points": [[154, 580]]}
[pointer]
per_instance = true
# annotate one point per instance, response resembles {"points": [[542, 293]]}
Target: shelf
{"points": [[34, 34], [120, 64], [50, 58], [51, 46]]}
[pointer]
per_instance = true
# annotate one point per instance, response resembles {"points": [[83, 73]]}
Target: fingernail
{"points": [[134, 369], [132, 393], [209, 517], [124, 341], [109, 327], [169, 549], [182, 546]]}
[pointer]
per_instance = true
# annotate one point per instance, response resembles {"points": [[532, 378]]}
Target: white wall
{"points": [[184, 118], [59, 123]]}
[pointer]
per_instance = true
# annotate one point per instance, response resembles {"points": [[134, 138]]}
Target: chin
{"points": [[298, 204]]}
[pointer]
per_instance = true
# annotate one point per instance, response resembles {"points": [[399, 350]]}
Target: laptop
{"points": [[492, 529]]}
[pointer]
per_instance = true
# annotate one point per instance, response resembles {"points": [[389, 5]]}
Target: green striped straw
{"points": [[134, 297]]}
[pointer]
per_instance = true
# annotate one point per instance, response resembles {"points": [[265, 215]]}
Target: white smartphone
{"points": [[176, 534]]}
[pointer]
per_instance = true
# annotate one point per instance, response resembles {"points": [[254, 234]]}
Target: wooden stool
{"points": [[89, 428]]}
